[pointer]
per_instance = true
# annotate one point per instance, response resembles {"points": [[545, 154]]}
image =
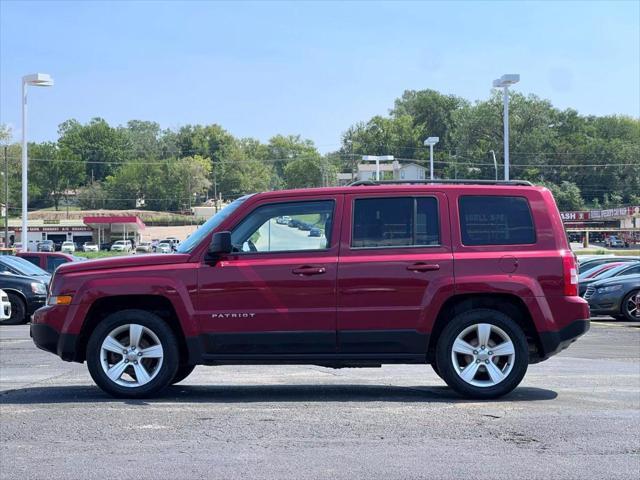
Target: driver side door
{"points": [[276, 293]]}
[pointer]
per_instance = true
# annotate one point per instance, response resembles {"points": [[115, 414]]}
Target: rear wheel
{"points": [[183, 372], [631, 306], [132, 354], [18, 311], [482, 354]]}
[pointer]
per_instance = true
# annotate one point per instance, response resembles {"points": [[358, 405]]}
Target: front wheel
{"points": [[183, 372], [631, 306], [132, 354], [482, 354], [18, 311]]}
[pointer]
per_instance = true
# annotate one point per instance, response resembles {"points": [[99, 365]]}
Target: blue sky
{"points": [[313, 69]]}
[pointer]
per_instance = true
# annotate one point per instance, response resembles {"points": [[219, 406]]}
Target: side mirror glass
{"points": [[220, 243]]}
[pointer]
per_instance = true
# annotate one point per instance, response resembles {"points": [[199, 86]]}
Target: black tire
{"points": [[436, 369], [628, 316], [183, 372], [167, 371], [18, 311], [467, 319]]}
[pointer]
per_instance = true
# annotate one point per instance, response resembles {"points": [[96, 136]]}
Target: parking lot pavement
{"points": [[575, 416]]}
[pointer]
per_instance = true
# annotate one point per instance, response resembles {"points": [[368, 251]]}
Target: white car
{"points": [[68, 247], [164, 248], [144, 247], [5, 306], [90, 247], [121, 246]]}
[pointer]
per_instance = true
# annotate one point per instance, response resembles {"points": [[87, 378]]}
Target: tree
{"points": [[430, 111], [56, 171], [303, 173], [567, 196], [100, 146], [144, 139], [239, 174], [92, 196]]}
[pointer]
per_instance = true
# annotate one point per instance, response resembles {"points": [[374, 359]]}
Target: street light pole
{"points": [[37, 80], [377, 158], [6, 198], [504, 82], [505, 103], [431, 141]]}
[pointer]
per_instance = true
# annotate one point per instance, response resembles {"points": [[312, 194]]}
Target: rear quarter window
{"points": [[496, 220]]}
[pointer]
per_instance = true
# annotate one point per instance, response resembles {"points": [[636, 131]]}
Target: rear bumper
{"points": [[49, 339], [555, 342]]}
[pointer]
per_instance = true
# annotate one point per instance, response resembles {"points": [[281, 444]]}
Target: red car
{"points": [[48, 261], [476, 279]]}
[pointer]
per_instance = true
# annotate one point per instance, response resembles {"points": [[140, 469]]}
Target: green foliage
{"points": [[567, 195], [586, 161], [304, 172], [56, 176], [598, 156], [99, 145]]}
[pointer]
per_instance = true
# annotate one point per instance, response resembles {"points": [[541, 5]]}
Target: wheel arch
{"points": [[105, 306], [510, 305]]}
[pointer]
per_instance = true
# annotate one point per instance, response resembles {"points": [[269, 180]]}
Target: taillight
{"points": [[570, 274]]}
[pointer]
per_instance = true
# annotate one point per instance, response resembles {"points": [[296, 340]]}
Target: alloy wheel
{"points": [[633, 306], [131, 355], [483, 355]]}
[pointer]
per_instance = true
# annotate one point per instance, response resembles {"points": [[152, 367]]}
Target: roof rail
{"points": [[361, 183]]}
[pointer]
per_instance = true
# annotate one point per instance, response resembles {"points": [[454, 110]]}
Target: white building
{"points": [[388, 171]]}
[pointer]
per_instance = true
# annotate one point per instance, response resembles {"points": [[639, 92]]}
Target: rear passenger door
{"points": [[394, 270]]}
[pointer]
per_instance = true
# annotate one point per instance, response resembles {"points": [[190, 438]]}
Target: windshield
{"points": [[207, 227], [24, 266]]}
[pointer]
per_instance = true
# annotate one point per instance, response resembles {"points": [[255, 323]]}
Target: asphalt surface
{"points": [[575, 416]]}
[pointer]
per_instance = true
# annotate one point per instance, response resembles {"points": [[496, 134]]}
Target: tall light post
{"points": [[377, 158], [504, 82], [431, 141], [36, 80]]}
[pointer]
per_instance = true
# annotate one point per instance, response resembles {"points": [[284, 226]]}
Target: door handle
{"points": [[423, 267], [309, 270]]}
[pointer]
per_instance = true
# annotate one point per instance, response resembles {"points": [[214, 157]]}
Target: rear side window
{"points": [[33, 259], [395, 222], [495, 220], [54, 262]]}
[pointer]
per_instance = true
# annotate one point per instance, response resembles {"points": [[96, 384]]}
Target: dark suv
{"points": [[475, 279]]}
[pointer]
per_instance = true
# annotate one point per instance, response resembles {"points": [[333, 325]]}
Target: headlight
{"points": [[610, 288], [39, 288]]}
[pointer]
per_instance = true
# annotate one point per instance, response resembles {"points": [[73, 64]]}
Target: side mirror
{"points": [[220, 243]]}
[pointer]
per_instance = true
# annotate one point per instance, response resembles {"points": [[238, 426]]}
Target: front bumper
{"points": [[35, 302], [606, 304], [46, 327], [554, 342], [49, 339]]}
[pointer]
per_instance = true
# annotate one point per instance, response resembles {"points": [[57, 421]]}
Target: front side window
{"points": [[282, 227], [395, 222], [496, 220], [207, 227]]}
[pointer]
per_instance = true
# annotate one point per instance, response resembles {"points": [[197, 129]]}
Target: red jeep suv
{"points": [[474, 278]]}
